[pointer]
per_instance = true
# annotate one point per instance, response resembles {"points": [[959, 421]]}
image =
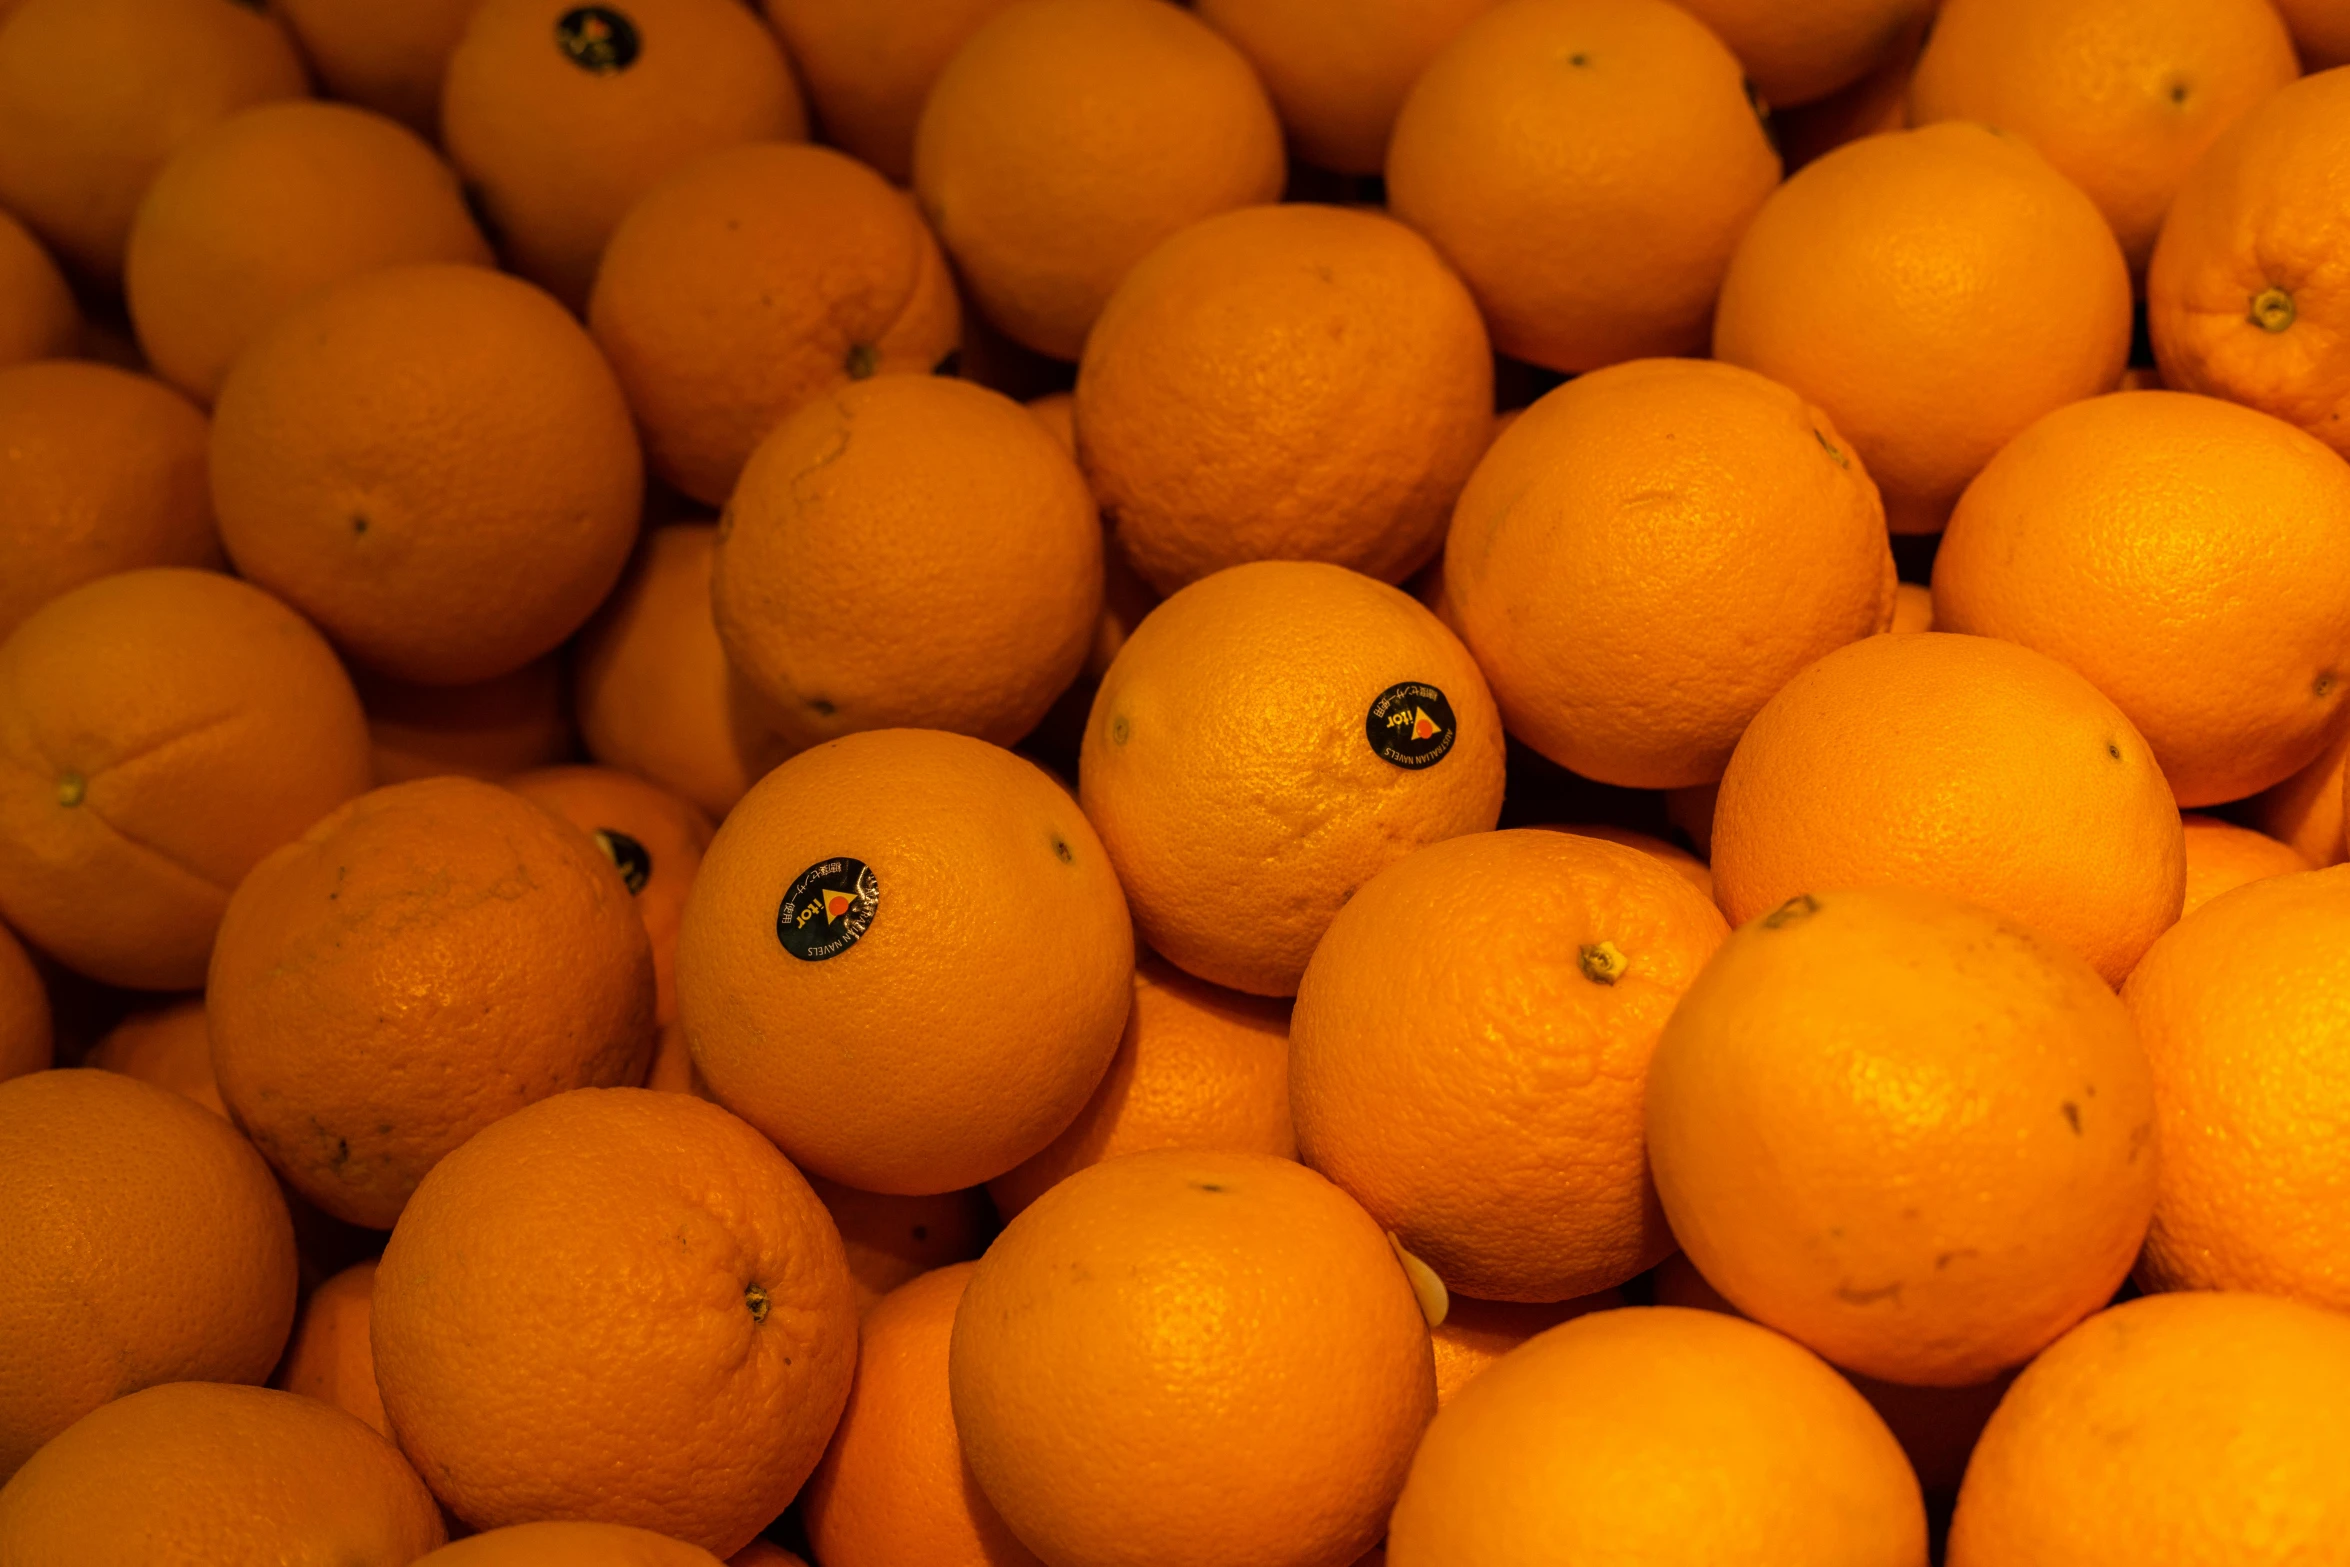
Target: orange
{"points": [[160, 732], [1584, 1443], [910, 551], [1797, 54], [488, 729], [756, 279], [431, 957], [329, 1357], [867, 68], [1067, 137], [2183, 1428], [1219, 1349], [906, 960], [27, 1034], [2121, 95], [2240, 1009], [2305, 811], [1935, 291], [2321, 32], [141, 1241], [433, 463], [169, 1046], [2240, 299], [1268, 740], [38, 316], [202, 1472], [1691, 811], [2222, 856], [561, 116], [1126, 598], [101, 471], [1338, 70], [1198, 1067], [1476, 1333], [1913, 608], [890, 1240], [1469, 1047], [95, 95], [1908, 1133], [2180, 552], [1284, 383], [705, 1352], [569, 1544], [1871, 103], [255, 212], [1650, 552], [893, 1487], [1587, 165], [386, 58], [1690, 868], [764, 1553], [1959, 765]]}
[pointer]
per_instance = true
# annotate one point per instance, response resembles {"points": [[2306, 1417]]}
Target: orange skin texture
{"points": [[330, 1358], [27, 1036], [160, 732], [893, 1486], [2305, 810], [255, 212], [177, 1196], [2242, 1010], [559, 152], [1650, 553], [2122, 96], [1068, 137], [1476, 1333], [202, 1472], [672, 832], [867, 68], [908, 551], [386, 58], [2178, 1428], [652, 688], [939, 1050], [1227, 765], [1459, 1067], [1903, 283], [38, 316], [569, 1544], [1565, 1449], [1191, 1359], [694, 1379], [1959, 765], [752, 281], [2321, 32], [1338, 70], [1591, 207], [2222, 856], [1873, 102], [1908, 1133], [2261, 215], [1913, 607], [101, 470], [1291, 382], [2184, 555], [1798, 54], [432, 957], [96, 94], [891, 1240], [1126, 598], [488, 729], [1198, 1067], [169, 1046], [1691, 869], [432, 462]]}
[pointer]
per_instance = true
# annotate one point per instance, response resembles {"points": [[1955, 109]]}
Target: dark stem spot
{"points": [[1206, 1186], [358, 523], [1579, 60], [2272, 309], [820, 707], [863, 361], [756, 1299], [921, 1232], [1830, 448], [1061, 848], [72, 788], [2113, 749], [2072, 1116], [2323, 685], [1800, 907], [1118, 731], [2178, 92]]}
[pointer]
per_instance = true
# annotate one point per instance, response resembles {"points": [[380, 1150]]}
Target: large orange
{"points": [[1583, 1443], [27, 1033], [2306, 809], [1797, 54], [2222, 856], [1587, 165], [1067, 137], [141, 1241], [906, 960], [433, 463], [1293, 382], [570, 1544], [38, 316], [431, 957], [489, 729], [1960, 765], [891, 1239], [329, 1357], [387, 58], [1469, 1049], [1268, 740], [868, 67], [1188, 1358], [703, 1354], [1650, 552], [1903, 282]]}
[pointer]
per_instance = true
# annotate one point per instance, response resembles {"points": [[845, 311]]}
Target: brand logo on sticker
{"points": [[597, 38], [829, 908], [1411, 725], [628, 856]]}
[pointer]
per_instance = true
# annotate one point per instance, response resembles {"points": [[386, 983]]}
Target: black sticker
{"points": [[830, 905], [597, 38], [1410, 725], [628, 855]]}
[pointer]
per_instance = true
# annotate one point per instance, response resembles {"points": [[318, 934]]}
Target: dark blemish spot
{"points": [[1118, 731], [1860, 1297], [1579, 60], [1061, 848], [2113, 749], [1947, 1258], [629, 857], [1830, 448], [2072, 1116], [863, 361], [1206, 1186], [820, 707], [1800, 907], [2178, 92], [2323, 685], [756, 1298], [921, 1232], [2140, 1136], [342, 1152], [358, 523]]}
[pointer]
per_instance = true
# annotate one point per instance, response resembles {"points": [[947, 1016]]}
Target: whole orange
{"points": [[867, 68], [2222, 856]]}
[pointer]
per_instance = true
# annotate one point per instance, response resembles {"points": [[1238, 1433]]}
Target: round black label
{"points": [[629, 856], [830, 905], [1410, 725], [597, 38]]}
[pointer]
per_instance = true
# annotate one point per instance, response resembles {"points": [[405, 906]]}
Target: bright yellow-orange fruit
{"points": [[2222, 856]]}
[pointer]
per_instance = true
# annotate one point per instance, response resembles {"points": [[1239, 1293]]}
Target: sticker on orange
{"points": [[829, 908], [1411, 725]]}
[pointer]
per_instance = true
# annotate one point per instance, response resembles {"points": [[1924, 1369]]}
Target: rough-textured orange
{"points": [[891, 1240], [27, 1032], [329, 1357], [387, 58], [38, 316], [490, 728], [1795, 54], [867, 68], [2221, 856], [570, 1544], [169, 1046], [2305, 810], [1476, 1333]]}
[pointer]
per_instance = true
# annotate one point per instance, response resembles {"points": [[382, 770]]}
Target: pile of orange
{"points": [[1114, 783]]}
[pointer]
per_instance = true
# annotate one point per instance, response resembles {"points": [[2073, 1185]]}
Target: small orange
{"points": [[2305, 810], [868, 67], [891, 1240], [387, 58], [1216, 1348], [329, 1357], [485, 729], [1587, 165], [705, 1351], [2222, 856], [1797, 54], [754, 280], [2321, 32], [1913, 607], [169, 1046], [569, 1545], [38, 316], [1476, 1333], [27, 1031]]}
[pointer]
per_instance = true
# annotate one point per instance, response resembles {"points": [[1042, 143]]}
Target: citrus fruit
{"points": [[1476, 1333], [2305, 810], [2321, 33], [329, 1357], [489, 729], [387, 58], [890, 1239], [38, 316], [1798, 54], [27, 1036], [168, 1045], [1690, 868], [569, 1544], [867, 68], [2222, 856]]}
